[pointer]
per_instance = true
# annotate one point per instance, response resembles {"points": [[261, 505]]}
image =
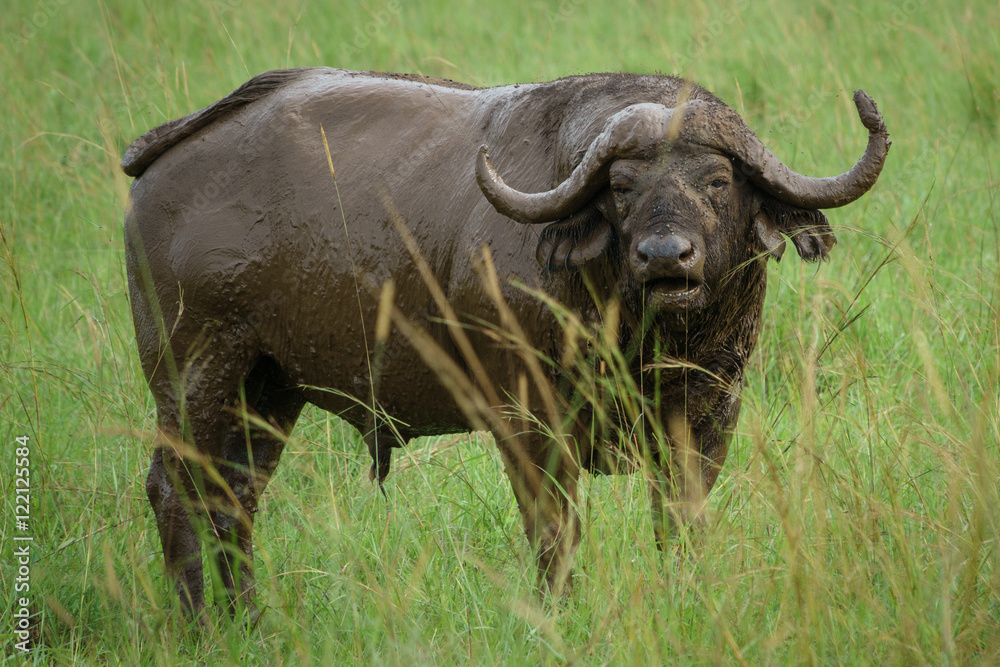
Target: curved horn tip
{"points": [[868, 112], [484, 168], [483, 158], [483, 161]]}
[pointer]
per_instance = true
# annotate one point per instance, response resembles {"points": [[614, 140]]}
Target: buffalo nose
{"points": [[669, 256], [671, 249]]}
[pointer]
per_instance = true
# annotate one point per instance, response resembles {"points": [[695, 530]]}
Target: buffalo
{"points": [[420, 257]]}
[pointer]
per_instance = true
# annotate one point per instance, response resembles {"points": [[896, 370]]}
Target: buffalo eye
{"points": [[623, 196], [718, 183]]}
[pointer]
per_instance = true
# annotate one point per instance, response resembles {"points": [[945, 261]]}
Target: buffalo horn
{"points": [[632, 132], [637, 131], [725, 131]]}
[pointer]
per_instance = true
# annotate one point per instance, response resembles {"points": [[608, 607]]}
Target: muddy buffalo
{"points": [[407, 252]]}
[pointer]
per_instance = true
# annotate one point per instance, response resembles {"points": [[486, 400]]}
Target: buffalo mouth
{"points": [[673, 293]]}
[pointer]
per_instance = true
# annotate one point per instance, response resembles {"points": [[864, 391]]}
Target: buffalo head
{"points": [[683, 196]]}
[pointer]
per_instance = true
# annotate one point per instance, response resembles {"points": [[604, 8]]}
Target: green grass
{"points": [[856, 519]]}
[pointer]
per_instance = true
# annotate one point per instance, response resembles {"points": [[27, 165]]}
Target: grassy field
{"points": [[856, 520]]}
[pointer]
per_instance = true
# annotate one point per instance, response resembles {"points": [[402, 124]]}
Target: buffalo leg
{"points": [[171, 489], [182, 485], [680, 485], [671, 512], [250, 457], [544, 480]]}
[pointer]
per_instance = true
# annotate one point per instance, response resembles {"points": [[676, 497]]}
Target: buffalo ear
{"points": [[575, 240], [807, 228], [768, 236]]}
